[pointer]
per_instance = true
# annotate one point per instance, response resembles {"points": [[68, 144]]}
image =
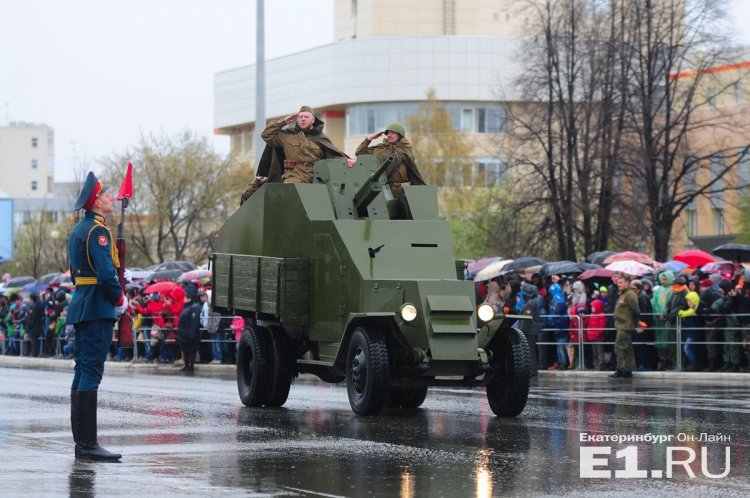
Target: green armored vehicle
{"points": [[339, 279]]}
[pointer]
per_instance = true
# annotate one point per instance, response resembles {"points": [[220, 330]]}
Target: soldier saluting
{"points": [[96, 303]]}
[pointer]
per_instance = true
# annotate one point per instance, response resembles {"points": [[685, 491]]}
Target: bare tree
{"points": [[567, 137], [671, 94], [619, 94], [183, 191]]}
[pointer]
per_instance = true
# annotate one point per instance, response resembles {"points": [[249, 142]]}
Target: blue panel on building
{"points": [[6, 230]]}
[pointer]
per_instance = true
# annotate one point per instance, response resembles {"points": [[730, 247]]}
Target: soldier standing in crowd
{"points": [[403, 170], [294, 144], [96, 303], [627, 315]]}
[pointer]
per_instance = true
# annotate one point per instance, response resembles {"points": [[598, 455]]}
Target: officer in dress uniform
{"points": [[97, 301]]}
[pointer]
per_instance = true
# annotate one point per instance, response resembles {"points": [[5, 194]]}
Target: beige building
{"points": [[27, 165], [713, 219]]}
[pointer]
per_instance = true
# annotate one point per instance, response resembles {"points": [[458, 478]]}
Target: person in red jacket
{"points": [[597, 322], [153, 310]]}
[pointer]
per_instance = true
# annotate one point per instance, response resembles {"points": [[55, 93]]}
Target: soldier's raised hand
{"points": [[376, 135], [291, 118]]}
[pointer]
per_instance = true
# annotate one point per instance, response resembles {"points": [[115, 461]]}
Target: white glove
{"points": [[119, 310]]}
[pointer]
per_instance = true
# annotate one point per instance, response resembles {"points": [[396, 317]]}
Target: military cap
{"points": [[92, 189], [307, 108], [397, 127]]}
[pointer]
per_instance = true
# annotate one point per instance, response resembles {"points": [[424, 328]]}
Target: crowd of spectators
{"points": [[160, 327], [707, 316]]}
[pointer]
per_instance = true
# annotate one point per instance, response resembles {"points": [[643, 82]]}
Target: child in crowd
{"points": [[597, 322]]}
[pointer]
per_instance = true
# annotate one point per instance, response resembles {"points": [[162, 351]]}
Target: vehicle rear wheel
{"points": [[252, 364], [367, 371], [406, 397], [509, 389], [281, 371]]}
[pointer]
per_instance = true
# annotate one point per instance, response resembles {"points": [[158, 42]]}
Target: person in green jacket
{"points": [[664, 334], [403, 170], [627, 315]]}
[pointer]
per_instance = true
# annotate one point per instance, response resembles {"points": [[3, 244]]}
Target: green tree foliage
{"points": [[183, 191]]}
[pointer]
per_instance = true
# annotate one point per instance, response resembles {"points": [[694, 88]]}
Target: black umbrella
{"points": [[733, 251], [598, 257], [166, 275], [560, 268], [523, 263], [588, 266]]}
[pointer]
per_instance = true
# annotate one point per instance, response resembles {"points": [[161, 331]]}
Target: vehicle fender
{"points": [[386, 322]]}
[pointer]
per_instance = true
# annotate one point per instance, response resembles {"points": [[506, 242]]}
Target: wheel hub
{"points": [[359, 370]]}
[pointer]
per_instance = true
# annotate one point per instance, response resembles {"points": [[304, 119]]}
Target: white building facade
{"points": [[467, 52], [27, 160]]}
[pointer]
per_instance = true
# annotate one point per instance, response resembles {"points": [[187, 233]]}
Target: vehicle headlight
{"points": [[485, 312], [408, 312]]}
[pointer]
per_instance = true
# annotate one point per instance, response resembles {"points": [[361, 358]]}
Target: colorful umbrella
{"points": [[161, 287], [695, 258], [723, 267], [629, 256], [673, 266], [597, 273], [491, 271], [629, 267], [202, 275], [475, 266]]}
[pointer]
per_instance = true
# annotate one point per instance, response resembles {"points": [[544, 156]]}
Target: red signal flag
{"points": [[126, 189]]}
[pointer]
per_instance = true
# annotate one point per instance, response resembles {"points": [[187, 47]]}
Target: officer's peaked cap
{"points": [[92, 189]]}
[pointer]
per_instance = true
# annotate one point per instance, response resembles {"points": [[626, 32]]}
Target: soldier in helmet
{"points": [[403, 170], [97, 302]]}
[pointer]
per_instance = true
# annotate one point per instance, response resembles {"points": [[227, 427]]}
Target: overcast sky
{"points": [[99, 72]]}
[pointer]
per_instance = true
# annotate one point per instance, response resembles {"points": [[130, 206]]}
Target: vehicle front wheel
{"points": [[509, 389], [252, 363], [367, 371]]}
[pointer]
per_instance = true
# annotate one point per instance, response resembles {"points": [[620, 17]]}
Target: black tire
{"points": [[252, 367], [367, 372], [406, 397], [281, 367], [509, 389]]}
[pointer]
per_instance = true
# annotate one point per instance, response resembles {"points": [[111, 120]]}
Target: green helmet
{"points": [[398, 128]]}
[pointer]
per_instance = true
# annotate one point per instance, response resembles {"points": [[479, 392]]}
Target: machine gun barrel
{"points": [[370, 189]]}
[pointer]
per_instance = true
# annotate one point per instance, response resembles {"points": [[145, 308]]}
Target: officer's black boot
{"points": [[74, 413], [86, 446]]}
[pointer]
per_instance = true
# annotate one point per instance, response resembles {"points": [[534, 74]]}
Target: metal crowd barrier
{"points": [[678, 342]]}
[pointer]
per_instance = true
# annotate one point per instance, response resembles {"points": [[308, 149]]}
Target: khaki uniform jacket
{"points": [[627, 313]]}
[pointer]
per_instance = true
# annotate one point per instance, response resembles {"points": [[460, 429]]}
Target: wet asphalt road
{"points": [[191, 436]]}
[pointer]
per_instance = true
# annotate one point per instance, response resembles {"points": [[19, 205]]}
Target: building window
{"points": [[496, 16], [711, 96], [467, 119], [488, 171], [692, 224], [691, 165], [719, 221], [738, 93], [717, 176], [364, 119], [34, 185], [34, 164], [34, 142]]}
